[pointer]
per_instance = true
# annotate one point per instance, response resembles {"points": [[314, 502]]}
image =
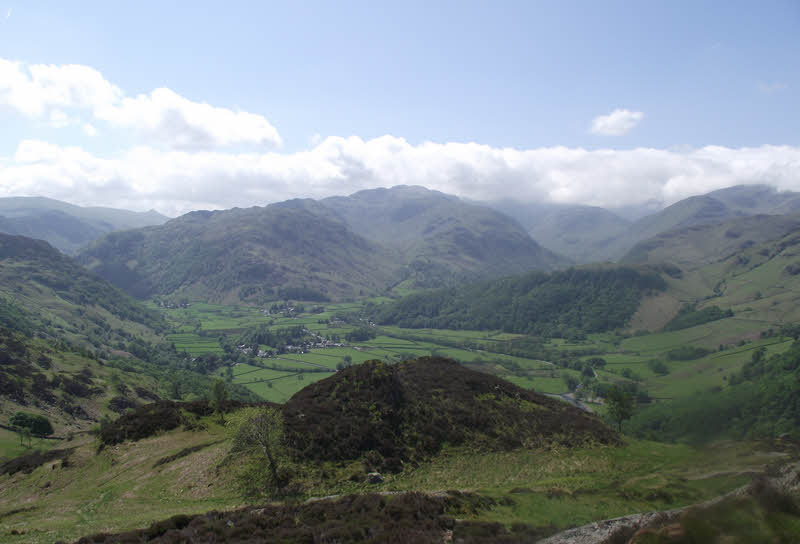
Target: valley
{"points": [[544, 398]]}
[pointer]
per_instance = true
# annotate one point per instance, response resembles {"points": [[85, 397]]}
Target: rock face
{"points": [[408, 411]]}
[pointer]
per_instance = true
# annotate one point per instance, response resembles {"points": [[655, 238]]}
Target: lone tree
{"points": [[218, 398], [620, 405], [33, 423], [261, 432]]}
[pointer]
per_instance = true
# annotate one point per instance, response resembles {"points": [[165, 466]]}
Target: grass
{"points": [[567, 488], [273, 385], [117, 488], [120, 489], [11, 447]]}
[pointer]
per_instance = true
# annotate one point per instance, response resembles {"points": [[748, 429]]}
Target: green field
{"points": [[194, 344], [628, 358]]}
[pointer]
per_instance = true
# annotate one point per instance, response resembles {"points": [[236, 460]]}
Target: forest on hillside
{"points": [[564, 303]]}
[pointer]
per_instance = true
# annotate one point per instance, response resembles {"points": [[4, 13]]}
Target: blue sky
{"points": [[694, 83]]}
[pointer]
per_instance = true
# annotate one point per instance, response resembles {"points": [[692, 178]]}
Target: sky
{"points": [[177, 106]]}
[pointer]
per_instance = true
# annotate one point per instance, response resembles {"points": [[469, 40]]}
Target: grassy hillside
{"points": [[699, 245], [187, 472], [72, 388], [44, 290], [66, 226], [76, 348]]}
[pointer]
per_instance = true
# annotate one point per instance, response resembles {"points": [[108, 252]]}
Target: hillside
{"points": [[242, 254], [714, 207], [693, 247], [66, 226], [74, 347], [41, 289], [564, 303], [579, 232], [761, 401], [442, 239]]}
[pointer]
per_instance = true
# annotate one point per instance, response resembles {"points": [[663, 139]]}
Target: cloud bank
{"points": [[194, 156], [178, 181], [66, 93], [616, 123]]}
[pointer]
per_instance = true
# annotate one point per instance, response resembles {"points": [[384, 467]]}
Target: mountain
{"points": [[337, 247], [757, 199], [714, 207], [590, 234], [66, 226], [242, 254], [695, 246], [441, 237], [578, 232]]}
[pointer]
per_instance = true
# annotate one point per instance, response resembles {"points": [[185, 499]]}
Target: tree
{"points": [[597, 362], [261, 431], [24, 436], [620, 405], [33, 423], [218, 398]]}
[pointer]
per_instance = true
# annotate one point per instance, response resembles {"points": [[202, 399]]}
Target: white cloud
{"points": [[58, 119], [178, 181], [89, 129], [161, 115], [616, 123], [771, 88]]}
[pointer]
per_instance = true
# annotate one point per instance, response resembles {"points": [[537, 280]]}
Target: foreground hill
{"points": [[66, 226], [191, 472], [335, 248], [410, 410]]}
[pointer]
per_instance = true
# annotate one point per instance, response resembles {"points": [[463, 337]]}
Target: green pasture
{"points": [[194, 344], [273, 385]]}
